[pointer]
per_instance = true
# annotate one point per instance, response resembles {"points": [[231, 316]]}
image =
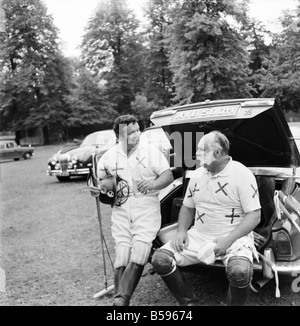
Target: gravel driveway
{"points": [[51, 253]]}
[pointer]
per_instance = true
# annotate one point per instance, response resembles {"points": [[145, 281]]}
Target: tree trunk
{"points": [[18, 137], [46, 135]]}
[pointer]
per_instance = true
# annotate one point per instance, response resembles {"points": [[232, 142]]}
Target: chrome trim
{"points": [[283, 268], [71, 172]]}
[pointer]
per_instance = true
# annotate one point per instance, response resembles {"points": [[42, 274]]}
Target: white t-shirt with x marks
{"points": [[221, 200]]}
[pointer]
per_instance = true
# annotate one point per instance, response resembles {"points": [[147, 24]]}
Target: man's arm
{"points": [[185, 220], [249, 223], [161, 182]]}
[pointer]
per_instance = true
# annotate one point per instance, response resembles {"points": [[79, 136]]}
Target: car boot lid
{"points": [[256, 128]]}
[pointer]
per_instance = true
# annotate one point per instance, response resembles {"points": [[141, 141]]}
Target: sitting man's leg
{"points": [[132, 273], [239, 272], [164, 264]]}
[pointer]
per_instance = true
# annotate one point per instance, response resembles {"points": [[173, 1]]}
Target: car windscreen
{"points": [[295, 129], [101, 138], [156, 136]]}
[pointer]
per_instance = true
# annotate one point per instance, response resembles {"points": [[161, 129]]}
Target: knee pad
{"points": [[239, 271], [123, 254], [140, 253], [163, 261]]}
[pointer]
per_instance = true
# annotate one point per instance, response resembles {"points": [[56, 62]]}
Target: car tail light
{"points": [[282, 244]]}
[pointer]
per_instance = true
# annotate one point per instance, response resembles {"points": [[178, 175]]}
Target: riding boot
{"points": [[128, 283], [237, 296], [179, 287], [117, 277]]}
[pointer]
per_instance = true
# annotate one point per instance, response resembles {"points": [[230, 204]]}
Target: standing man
{"points": [[222, 200], [136, 222]]}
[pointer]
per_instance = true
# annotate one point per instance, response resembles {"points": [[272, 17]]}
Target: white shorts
{"points": [[189, 256], [138, 219]]}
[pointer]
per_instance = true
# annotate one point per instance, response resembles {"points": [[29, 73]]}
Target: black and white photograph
{"points": [[150, 155]]}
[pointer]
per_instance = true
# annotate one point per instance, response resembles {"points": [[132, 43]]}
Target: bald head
{"points": [[217, 141], [213, 148]]}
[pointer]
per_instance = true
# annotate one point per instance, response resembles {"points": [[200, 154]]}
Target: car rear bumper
{"points": [[283, 268]]}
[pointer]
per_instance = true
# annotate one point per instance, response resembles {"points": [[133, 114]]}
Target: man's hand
{"points": [[145, 185], [95, 191], [222, 245], [180, 241]]}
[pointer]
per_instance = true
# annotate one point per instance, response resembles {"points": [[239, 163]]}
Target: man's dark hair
{"points": [[125, 119]]}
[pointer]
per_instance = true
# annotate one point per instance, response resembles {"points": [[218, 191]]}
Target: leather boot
{"points": [[117, 277], [128, 283], [179, 287], [237, 296]]}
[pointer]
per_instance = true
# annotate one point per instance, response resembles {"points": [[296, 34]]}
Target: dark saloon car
{"points": [[9, 150], [74, 162], [261, 139]]}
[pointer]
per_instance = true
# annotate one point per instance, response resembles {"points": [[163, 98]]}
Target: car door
{"points": [[3, 150], [12, 151]]}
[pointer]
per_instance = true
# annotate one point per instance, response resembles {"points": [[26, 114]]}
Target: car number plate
{"points": [[205, 113]]}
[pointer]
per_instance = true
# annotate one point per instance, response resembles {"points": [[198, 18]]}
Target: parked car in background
{"points": [[69, 162], [261, 139], [10, 150], [156, 136]]}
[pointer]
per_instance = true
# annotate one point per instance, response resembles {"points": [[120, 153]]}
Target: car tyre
{"points": [[63, 179], [27, 156]]}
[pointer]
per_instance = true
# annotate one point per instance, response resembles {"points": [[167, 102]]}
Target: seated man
{"points": [[222, 197]]}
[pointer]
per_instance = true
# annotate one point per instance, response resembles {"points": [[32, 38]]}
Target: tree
{"points": [[258, 50], [159, 86], [207, 52], [143, 108], [35, 76], [88, 101], [112, 50], [280, 74]]}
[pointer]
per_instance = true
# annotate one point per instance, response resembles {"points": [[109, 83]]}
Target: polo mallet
{"points": [[93, 174]]}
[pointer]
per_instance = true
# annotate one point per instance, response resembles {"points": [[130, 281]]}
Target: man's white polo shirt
{"points": [[221, 200], [146, 160]]}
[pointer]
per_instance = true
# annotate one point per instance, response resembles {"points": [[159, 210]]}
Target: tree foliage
{"points": [[87, 100], [207, 52], [189, 51], [112, 50], [35, 76], [143, 108], [159, 86], [280, 74]]}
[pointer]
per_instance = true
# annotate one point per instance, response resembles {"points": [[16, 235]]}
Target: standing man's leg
{"points": [[123, 253], [132, 273], [143, 221]]}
